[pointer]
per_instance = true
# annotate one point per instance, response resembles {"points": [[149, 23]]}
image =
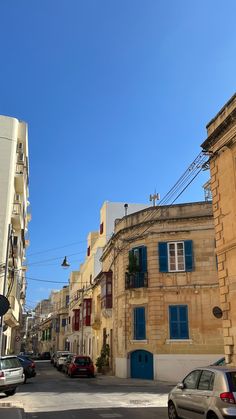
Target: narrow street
{"points": [[52, 395]]}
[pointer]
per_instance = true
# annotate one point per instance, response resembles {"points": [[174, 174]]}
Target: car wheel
{"points": [[10, 392], [172, 414], [25, 379]]}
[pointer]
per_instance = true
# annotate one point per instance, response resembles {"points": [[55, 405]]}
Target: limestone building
{"points": [[159, 269], [221, 146]]}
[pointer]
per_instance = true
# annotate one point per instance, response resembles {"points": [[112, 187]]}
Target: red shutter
{"points": [[87, 311], [76, 320]]}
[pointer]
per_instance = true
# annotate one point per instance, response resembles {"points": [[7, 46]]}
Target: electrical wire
{"points": [[56, 258], [180, 186], [46, 280]]}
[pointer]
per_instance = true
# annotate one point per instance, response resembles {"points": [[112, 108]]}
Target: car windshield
{"points": [[9, 363], [82, 361]]}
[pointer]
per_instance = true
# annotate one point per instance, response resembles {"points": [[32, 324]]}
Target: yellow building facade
{"points": [[164, 288], [221, 146]]}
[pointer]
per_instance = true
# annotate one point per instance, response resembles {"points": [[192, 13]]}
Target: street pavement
{"points": [[52, 395]]}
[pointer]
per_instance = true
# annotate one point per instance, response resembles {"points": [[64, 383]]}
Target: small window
{"points": [[88, 251], [206, 380], [63, 322], [176, 256], [101, 228], [191, 380]]}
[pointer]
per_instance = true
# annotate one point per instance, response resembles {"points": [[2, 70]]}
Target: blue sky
{"points": [[117, 94]]}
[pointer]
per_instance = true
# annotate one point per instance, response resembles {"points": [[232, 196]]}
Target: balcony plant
{"points": [[133, 265]]}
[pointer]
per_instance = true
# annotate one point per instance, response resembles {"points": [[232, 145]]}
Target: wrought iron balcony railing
{"points": [[136, 280]]}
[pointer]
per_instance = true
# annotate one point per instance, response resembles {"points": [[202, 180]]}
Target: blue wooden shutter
{"points": [[163, 257], [143, 258], [178, 321], [188, 250], [139, 323]]}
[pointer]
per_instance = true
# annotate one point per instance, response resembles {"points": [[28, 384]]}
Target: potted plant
{"points": [[102, 362]]}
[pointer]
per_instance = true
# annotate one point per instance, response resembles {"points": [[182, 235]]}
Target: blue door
{"points": [[142, 365]]}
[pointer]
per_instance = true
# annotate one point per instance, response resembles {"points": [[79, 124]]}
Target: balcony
{"points": [[136, 280], [20, 178], [96, 322], [106, 301]]}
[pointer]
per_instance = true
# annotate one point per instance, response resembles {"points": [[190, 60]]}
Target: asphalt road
{"points": [[52, 395]]}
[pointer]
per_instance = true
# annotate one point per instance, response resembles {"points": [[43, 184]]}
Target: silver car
{"points": [[11, 374], [206, 393]]}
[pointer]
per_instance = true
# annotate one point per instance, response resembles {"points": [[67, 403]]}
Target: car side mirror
{"points": [[180, 386]]}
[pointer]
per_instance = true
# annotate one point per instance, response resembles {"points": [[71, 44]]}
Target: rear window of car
{"points": [[232, 380], [9, 363], [82, 361]]}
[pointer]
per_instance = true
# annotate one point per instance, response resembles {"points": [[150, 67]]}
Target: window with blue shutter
{"points": [[188, 252], [163, 257], [176, 256], [178, 322], [139, 323]]}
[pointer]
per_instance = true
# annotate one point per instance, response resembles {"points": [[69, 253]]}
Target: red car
{"points": [[81, 365]]}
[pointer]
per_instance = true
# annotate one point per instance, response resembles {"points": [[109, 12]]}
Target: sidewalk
{"points": [[111, 379]]}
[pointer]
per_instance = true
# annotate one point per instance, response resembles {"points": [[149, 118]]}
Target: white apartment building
{"points": [[14, 218]]}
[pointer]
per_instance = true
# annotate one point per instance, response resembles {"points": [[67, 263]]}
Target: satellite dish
{"points": [[4, 305]]}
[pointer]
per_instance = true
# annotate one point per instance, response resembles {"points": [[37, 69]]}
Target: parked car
{"points": [[11, 374], [28, 366], [52, 357], [206, 393], [67, 363], [81, 365], [45, 356], [57, 355], [61, 360]]}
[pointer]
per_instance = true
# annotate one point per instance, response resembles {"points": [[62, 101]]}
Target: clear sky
{"points": [[117, 94]]}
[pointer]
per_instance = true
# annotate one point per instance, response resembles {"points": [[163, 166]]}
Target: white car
{"points": [[11, 374], [62, 359]]}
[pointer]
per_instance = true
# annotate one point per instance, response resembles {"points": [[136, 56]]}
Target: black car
{"points": [[28, 366]]}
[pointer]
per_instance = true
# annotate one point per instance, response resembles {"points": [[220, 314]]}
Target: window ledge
{"points": [[168, 341], [138, 341]]}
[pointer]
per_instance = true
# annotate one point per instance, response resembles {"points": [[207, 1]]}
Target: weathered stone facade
{"points": [[196, 289], [221, 145]]}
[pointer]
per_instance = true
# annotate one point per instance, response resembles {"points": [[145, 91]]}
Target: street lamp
{"points": [[65, 264]]}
